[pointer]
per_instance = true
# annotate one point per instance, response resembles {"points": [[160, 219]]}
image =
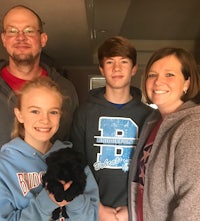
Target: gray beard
{"points": [[24, 60]]}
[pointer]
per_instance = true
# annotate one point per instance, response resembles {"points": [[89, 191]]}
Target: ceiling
{"points": [[77, 27]]}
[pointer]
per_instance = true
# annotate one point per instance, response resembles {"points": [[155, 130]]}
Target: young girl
{"points": [[22, 196]]}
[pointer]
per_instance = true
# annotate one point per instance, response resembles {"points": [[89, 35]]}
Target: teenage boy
{"points": [[106, 128]]}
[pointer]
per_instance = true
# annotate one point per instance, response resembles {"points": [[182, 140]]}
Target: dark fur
{"points": [[67, 165]]}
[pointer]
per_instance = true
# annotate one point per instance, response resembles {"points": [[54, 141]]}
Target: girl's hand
{"points": [[64, 202]]}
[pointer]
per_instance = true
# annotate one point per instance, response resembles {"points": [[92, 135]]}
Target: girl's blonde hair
{"points": [[18, 128]]}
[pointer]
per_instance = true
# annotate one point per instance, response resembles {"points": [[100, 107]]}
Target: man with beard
{"points": [[23, 38]]}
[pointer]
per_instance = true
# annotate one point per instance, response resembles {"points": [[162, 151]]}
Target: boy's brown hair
{"points": [[117, 46]]}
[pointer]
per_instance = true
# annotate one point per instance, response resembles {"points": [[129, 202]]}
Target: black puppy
{"points": [[66, 165]]}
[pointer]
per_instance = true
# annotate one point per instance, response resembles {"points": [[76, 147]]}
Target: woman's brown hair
{"points": [[189, 69]]}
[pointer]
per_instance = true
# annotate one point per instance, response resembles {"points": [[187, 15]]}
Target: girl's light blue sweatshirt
{"points": [[22, 196]]}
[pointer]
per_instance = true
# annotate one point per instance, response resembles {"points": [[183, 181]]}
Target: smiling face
{"points": [[118, 71], [165, 84], [40, 114], [22, 48]]}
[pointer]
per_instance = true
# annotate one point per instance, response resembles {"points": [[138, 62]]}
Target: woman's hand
{"points": [[122, 213], [107, 213]]}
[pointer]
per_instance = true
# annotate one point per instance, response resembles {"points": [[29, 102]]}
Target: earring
{"points": [[185, 91]]}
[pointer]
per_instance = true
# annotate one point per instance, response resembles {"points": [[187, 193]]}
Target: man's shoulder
{"points": [[5, 90], [66, 86]]}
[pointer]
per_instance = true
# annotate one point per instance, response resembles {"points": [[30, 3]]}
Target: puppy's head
{"points": [[65, 165]]}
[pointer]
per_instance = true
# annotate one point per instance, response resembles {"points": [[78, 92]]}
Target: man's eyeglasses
{"points": [[14, 32]]}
